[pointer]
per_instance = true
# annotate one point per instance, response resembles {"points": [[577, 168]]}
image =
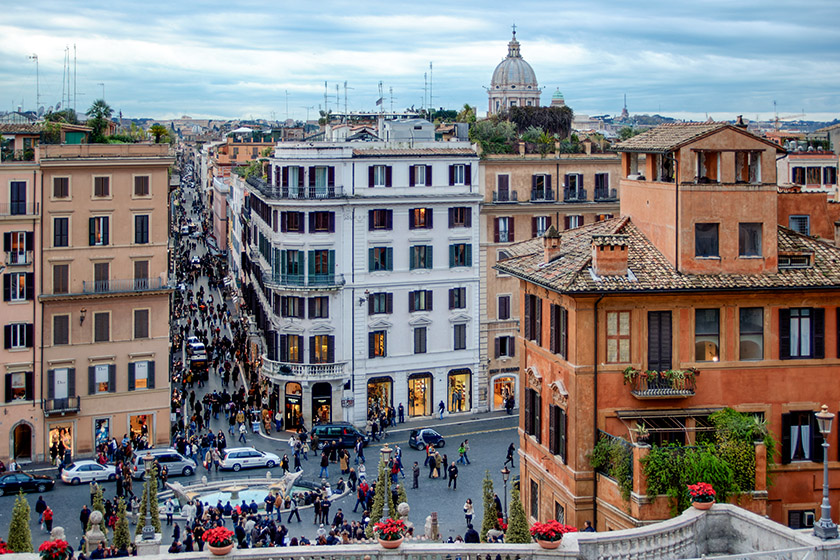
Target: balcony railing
{"points": [[116, 286], [296, 193], [19, 209], [542, 195], [303, 281], [574, 195], [19, 258], [285, 370], [61, 406], [605, 195], [669, 384], [505, 196]]}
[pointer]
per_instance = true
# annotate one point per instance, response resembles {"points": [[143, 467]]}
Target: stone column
{"points": [[640, 450]]}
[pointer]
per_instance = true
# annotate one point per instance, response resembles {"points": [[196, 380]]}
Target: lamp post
{"points": [[825, 528], [386, 457], [505, 475], [148, 530]]}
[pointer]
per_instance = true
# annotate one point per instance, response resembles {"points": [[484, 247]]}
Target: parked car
{"points": [[237, 458], [420, 439], [14, 482], [343, 433], [87, 470], [174, 462]]}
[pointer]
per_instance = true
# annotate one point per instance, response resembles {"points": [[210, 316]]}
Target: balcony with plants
{"points": [[667, 384]]}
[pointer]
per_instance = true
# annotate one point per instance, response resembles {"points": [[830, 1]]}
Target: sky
{"points": [[254, 59]]}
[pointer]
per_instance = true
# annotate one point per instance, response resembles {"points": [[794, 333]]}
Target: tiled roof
{"points": [[614, 239], [21, 128], [667, 137], [828, 128], [651, 271], [407, 152]]}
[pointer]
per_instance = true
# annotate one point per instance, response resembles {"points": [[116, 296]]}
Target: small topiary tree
{"points": [[98, 502], [20, 537], [149, 490], [518, 530], [122, 537], [377, 510], [489, 521], [401, 497]]}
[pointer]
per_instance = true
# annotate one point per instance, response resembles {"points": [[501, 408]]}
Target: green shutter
{"points": [[283, 263], [451, 256], [311, 265], [92, 231], [331, 263], [389, 258], [429, 257], [371, 258], [468, 255]]}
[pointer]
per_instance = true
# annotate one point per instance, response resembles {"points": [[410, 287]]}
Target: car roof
{"points": [[229, 449]]}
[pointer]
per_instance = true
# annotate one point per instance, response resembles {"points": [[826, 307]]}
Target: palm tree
{"points": [[158, 131], [100, 113]]}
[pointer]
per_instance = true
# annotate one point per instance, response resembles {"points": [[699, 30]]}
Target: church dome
{"points": [[513, 72]]}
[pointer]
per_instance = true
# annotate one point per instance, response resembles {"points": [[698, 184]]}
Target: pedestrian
{"points": [[441, 409], [509, 458], [325, 462], [445, 462], [293, 510], [589, 528], [498, 504], [48, 519], [401, 414], [453, 476], [242, 431], [416, 472], [471, 536], [467, 451], [83, 517], [93, 488], [469, 511], [40, 507], [461, 451]]}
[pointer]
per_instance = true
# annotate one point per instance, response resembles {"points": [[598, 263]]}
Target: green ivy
{"points": [[616, 459]]}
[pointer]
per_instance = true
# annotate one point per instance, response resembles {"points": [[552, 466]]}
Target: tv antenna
{"points": [[346, 87], [103, 89], [37, 81]]}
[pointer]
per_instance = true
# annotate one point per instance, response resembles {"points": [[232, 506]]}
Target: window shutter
{"points": [[411, 219], [331, 349], [451, 256], [370, 304], [817, 449], [429, 304], [311, 303], [512, 346], [389, 258], [371, 345], [284, 174], [311, 176], [311, 349], [566, 222], [552, 429], [452, 298], [468, 255], [429, 214], [548, 188], [371, 172], [30, 285], [411, 175], [786, 451], [665, 341], [429, 257], [534, 226], [498, 351], [30, 240], [312, 222], [389, 219], [411, 307], [7, 287], [91, 380], [51, 384], [388, 176], [8, 387], [92, 231], [547, 222], [527, 316], [106, 229], [562, 428], [330, 176], [271, 345], [451, 217], [496, 230], [468, 219], [529, 420], [819, 334], [30, 385], [283, 222], [429, 176], [112, 378], [7, 336], [371, 259], [538, 416], [150, 382], [511, 228], [332, 222], [7, 241], [389, 302], [564, 332], [468, 174], [71, 382], [283, 353], [537, 320], [451, 175], [533, 183], [311, 264], [301, 222], [784, 334], [371, 219], [130, 376], [553, 319]]}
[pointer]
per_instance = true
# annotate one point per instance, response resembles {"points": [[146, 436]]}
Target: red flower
{"points": [[51, 550], [701, 492], [389, 530], [551, 530], [218, 536]]}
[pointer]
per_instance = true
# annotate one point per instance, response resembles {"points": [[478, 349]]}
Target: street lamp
{"points": [[825, 528], [148, 530], [386, 457], [505, 476]]}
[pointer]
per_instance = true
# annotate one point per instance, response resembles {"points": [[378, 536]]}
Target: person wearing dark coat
{"points": [[471, 536], [83, 517]]}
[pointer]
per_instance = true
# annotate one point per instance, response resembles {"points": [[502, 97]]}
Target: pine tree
{"points": [[153, 492], [489, 521], [377, 510], [401, 497], [518, 530], [122, 536], [98, 505], [20, 537]]}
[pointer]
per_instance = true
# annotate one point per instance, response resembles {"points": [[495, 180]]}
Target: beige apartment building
{"points": [[104, 295], [523, 195]]}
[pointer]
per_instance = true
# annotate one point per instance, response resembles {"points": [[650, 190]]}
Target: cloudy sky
{"points": [[245, 58]]}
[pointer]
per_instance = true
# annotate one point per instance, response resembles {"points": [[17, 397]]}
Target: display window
{"points": [[380, 392], [504, 388], [459, 390], [102, 430], [61, 442], [139, 426], [321, 403], [294, 405], [420, 395]]}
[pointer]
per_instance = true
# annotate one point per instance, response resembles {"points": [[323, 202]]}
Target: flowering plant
{"points": [[701, 492], [551, 530], [389, 530], [53, 550], [500, 523], [4, 549], [218, 536]]}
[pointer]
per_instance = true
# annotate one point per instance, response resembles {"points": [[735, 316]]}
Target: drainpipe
{"points": [[595, 412], [40, 287]]}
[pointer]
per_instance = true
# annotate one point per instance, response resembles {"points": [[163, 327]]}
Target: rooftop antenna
{"points": [[103, 89], [346, 87], [326, 101], [37, 81], [431, 103], [381, 108], [391, 91], [307, 112], [75, 74], [425, 87]]}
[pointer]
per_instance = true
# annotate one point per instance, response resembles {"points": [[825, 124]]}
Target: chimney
{"points": [[740, 122], [587, 146], [522, 148], [837, 233], [609, 255], [551, 244]]}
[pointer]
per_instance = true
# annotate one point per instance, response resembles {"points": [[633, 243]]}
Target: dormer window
{"points": [[747, 167], [708, 167], [795, 261]]}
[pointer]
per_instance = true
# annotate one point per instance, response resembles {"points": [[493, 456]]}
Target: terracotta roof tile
{"points": [[21, 128], [667, 137]]}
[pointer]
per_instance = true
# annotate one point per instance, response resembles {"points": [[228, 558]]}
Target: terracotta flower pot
{"points": [[703, 505], [550, 545], [220, 550], [391, 544]]}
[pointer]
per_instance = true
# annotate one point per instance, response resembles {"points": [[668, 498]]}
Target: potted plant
{"points": [[702, 495], [219, 540], [550, 533], [642, 432], [53, 550], [390, 532]]}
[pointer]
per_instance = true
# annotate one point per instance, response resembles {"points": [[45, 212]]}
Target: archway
{"points": [[22, 448]]}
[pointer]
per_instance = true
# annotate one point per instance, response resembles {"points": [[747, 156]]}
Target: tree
{"points": [[466, 115], [553, 120], [98, 502], [627, 132], [494, 136], [158, 131], [518, 530], [67, 116], [490, 513], [122, 536], [149, 491], [377, 510], [100, 114], [20, 537], [401, 497]]}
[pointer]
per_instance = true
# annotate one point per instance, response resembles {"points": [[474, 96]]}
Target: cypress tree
{"points": [[153, 492], [377, 510], [489, 521], [518, 530], [401, 497], [122, 537], [20, 537], [99, 505], [149, 488]]}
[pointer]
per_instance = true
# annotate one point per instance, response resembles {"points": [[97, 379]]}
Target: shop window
{"points": [[533, 408], [503, 308], [801, 333], [420, 340], [141, 375], [751, 324], [420, 395], [707, 335], [706, 240], [749, 240], [559, 330], [459, 390], [801, 438], [380, 392], [618, 337], [460, 337], [138, 428], [420, 218], [377, 344], [19, 386], [102, 379], [457, 298], [102, 427], [293, 405], [504, 388], [61, 441]]}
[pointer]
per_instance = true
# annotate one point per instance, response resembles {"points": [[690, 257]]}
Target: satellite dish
{"points": [[58, 106], [50, 110], [41, 111]]}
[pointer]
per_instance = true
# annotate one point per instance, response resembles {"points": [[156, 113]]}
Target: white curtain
{"points": [[794, 440], [806, 441]]}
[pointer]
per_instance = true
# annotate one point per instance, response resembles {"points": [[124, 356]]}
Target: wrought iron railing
{"points": [[311, 281], [56, 406], [574, 195], [297, 193], [302, 371], [112, 286]]}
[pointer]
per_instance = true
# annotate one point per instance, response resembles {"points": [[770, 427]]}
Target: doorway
{"points": [[22, 442]]}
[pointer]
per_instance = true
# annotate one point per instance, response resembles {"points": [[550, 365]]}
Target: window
{"points": [[800, 224], [381, 302], [573, 184], [102, 379], [101, 327], [708, 164], [505, 346], [377, 344], [379, 176], [321, 222], [602, 184], [420, 218], [535, 499], [618, 337], [380, 220], [61, 232], [141, 323], [19, 386], [420, 256], [707, 335], [503, 309], [292, 306], [502, 193], [460, 216], [503, 230], [801, 438], [61, 187], [291, 264], [141, 228], [61, 278], [458, 175], [101, 276], [747, 167], [533, 318], [813, 176], [559, 511], [801, 333], [749, 240], [541, 187], [573, 221], [539, 225], [321, 266], [61, 330], [420, 300], [380, 258], [18, 335], [292, 222], [420, 340], [141, 185], [751, 324], [419, 175], [101, 187], [319, 307], [321, 349], [460, 254], [98, 227], [557, 431], [706, 240], [457, 298], [18, 286], [829, 175], [533, 407], [659, 340], [141, 375], [17, 198], [17, 244], [798, 175], [559, 330], [460, 337], [291, 348]]}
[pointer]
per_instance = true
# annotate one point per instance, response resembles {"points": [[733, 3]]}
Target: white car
{"points": [[237, 458], [87, 470], [195, 346]]}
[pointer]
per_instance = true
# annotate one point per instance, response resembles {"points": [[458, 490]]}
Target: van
{"points": [[175, 463], [343, 433]]}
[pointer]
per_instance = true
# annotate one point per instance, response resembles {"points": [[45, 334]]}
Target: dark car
{"points": [[342, 433], [419, 439], [14, 482]]}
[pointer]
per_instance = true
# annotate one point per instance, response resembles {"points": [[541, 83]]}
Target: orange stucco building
{"points": [[695, 274]]}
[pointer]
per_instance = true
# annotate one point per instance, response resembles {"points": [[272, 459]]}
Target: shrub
{"points": [[20, 537]]}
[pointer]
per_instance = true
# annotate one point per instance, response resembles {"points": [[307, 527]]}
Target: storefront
{"points": [[140, 430], [60, 442], [294, 405], [504, 387], [420, 394], [380, 391], [321, 403], [101, 430], [459, 390]]}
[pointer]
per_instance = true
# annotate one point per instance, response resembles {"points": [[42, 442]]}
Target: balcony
{"points": [[19, 209], [61, 406], [285, 371], [605, 195], [122, 286], [670, 384], [304, 282], [542, 195], [19, 258], [296, 193], [505, 196], [574, 195], [9, 155]]}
